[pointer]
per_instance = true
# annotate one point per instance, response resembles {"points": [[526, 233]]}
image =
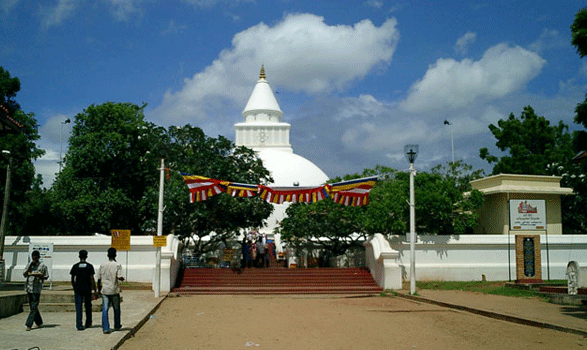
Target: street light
{"points": [[411, 152], [66, 121], [5, 154], [452, 139]]}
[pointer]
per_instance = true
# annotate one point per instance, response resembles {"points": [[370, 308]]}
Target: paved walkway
{"points": [[59, 331]]}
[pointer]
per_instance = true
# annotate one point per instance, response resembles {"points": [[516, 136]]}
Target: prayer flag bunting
{"points": [[202, 188], [353, 192], [280, 195], [236, 189]]}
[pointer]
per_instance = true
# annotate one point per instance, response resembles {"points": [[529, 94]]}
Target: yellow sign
{"points": [[120, 239], [159, 241]]}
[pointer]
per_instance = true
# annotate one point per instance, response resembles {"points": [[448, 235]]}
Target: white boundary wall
{"points": [[468, 257], [138, 264]]}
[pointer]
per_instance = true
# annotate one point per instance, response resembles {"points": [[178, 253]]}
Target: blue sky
{"points": [[357, 80]]}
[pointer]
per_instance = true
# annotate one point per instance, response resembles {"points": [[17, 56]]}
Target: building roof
{"points": [[516, 183]]}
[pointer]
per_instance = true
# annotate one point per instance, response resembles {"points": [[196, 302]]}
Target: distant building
{"points": [[264, 131], [520, 204]]}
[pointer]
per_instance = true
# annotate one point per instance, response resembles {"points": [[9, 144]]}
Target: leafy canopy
{"points": [[531, 142]]}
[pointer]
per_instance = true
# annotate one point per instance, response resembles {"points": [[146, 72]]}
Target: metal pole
{"points": [[412, 233], [452, 142], [6, 200], [157, 286], [61, 142]]}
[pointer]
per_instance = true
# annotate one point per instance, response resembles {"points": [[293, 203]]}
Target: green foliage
{"points": [[573, 207], [23, 152], [111, 178], [532, 144], [441, 208], [111, 161], [221, 217], [579, 40], [325, 224], [579, 32]]}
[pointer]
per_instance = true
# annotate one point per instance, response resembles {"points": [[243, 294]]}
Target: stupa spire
{"points": [[262, 74]]}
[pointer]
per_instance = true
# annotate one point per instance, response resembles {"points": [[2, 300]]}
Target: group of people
{"points": [[84, 286], [255, 251]]}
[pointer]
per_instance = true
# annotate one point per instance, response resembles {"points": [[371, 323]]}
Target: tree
{"points": [[579, 32], [532, 144], [441, 208], [579, 40], [448, 204], [218, 220], [23, 152], [111, 162]]}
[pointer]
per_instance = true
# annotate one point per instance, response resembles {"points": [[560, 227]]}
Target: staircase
{"points": [[60, 301], [277, 281]]}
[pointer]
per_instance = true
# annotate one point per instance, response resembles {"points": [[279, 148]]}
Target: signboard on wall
{"points": [[120, 239], [527, 214], [45, 254]]}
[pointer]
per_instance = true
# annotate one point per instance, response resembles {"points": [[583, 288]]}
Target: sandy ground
{"points": [[332, 322]]}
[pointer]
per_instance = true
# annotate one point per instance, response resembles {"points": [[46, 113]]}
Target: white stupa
{"points": [[264, 132]]}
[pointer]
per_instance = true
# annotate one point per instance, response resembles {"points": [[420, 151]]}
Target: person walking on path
{"points": [[108, 276], [35, 273], [83, 283]]}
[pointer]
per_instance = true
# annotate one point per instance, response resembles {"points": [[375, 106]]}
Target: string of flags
{"points": [[347, 193]]}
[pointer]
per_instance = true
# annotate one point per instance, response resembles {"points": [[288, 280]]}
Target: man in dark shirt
{"points": [[82, 280]]}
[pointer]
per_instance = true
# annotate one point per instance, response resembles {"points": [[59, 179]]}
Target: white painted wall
{"points": [[138, 264], [468, 257]]}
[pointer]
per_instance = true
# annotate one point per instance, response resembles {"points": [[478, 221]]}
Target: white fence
{"points": [[138, 263], [469, 257]]}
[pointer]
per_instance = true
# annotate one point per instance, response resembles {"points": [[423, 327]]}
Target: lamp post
{"points": [[411, 152], [7, 155], [157, 287], [66, 121], [452, 139]]}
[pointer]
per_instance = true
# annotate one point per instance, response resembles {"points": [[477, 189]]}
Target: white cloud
{"points": [[8, 5], [374, 3], [462, 44], [54, 140], [173, 28], [122, 10], [549, 39], [212, 3], [301, 53], [60, 12], [449, 84]]}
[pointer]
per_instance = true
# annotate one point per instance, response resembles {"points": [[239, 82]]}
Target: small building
{"points": [[520, 204]]}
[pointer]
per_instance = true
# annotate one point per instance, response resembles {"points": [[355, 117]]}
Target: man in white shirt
{"points": [[108, 276]]}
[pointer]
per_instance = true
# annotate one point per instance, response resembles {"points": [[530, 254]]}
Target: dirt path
{"points": [[330, 322]]}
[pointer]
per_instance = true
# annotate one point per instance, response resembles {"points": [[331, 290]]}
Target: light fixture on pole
{"points": [[6, 154], [411, 152], [66, 121], [452, 139]]}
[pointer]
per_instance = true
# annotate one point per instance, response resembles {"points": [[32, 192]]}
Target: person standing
{"points": [[35, 273], [108, 276], [83, 283]]}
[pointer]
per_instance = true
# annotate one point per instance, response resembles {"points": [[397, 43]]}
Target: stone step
{"points": [[63, 307], [62, 301], [278, 281]]}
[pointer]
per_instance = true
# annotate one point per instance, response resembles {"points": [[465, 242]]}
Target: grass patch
{"points": [[485, 287]]}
